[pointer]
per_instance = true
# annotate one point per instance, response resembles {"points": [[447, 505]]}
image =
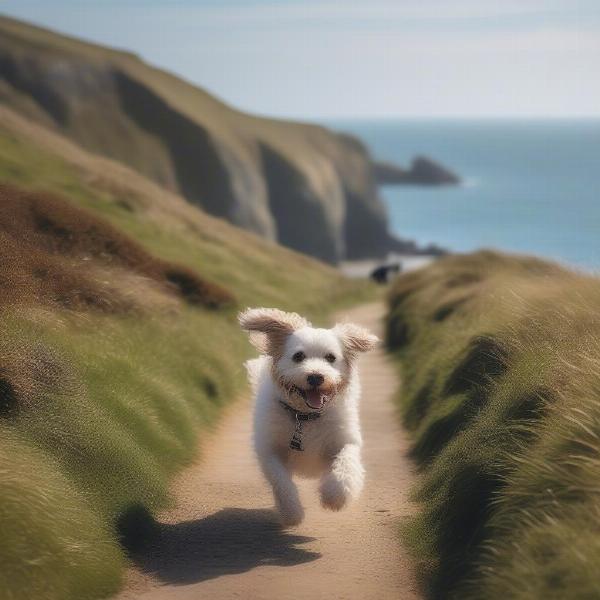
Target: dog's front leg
{"points": [[344, 480], [285, 491]]}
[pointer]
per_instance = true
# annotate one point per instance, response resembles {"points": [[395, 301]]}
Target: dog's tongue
{"points": [[314, 399]]}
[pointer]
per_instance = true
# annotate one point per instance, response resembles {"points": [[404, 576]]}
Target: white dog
{"points": [[306, 416]]}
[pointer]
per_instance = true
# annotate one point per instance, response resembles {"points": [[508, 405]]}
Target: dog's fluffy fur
{"points": [[310, 370]]}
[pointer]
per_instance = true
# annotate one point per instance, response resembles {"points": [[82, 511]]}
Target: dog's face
{"points": [[310, 365]]}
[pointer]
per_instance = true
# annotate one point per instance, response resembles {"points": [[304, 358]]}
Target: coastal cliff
{"points": [[301, 185]]}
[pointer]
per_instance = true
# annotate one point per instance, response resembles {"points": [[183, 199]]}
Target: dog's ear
{"points": [[355, 338], [271, 321], [275, 324]]}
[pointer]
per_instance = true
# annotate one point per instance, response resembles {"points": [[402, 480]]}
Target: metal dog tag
{"points": [[296, 441]]}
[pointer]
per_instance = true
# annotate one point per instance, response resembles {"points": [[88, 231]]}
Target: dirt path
{"points": [[223, 542]]}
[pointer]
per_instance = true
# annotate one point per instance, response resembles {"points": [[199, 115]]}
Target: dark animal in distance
{"points": [[382, 273]]}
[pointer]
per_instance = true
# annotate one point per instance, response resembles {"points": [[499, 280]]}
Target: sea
{"points": [[529, 186]]}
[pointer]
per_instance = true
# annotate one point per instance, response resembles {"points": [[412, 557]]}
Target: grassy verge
{"points": [[500, 358], [99, 408]]}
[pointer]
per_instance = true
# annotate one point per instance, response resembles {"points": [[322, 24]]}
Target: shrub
{"points": [[53, 251]]}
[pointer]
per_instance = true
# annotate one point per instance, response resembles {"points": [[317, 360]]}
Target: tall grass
{"points": [[99, 408], [500, 357]]}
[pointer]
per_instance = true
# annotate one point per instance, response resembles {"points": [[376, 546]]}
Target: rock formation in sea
{"points": [[422, 171]]}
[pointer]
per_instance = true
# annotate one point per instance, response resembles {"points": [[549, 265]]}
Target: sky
{"points": [[323, 59]]}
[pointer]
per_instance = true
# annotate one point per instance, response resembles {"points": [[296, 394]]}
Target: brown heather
{"points": [[53, 251]]}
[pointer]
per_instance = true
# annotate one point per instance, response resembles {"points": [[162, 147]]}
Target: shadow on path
{"points": [[233, 540]]}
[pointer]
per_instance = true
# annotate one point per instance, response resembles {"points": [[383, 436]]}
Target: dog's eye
{"points": [[299, 357], [330, 358]]}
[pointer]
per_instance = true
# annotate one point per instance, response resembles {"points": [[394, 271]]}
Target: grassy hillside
{"points": [[259, 173], [119, 348], [500, 357]]}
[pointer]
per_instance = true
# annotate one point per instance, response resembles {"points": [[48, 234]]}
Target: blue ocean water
{"points": [[530, 186]]}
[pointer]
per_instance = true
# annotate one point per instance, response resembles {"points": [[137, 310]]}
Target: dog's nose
{"points": [[315, 379]]}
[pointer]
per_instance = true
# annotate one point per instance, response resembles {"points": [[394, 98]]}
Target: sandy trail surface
{"points": [[223, 540]]}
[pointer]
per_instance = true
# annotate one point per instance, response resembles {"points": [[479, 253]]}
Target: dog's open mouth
{"points": [[314, 398]]}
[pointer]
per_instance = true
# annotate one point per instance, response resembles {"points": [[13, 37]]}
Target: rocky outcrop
{"points": [[422, 171], [302, 185]]}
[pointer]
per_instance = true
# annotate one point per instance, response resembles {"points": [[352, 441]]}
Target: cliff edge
{"points": [[302, 185]]}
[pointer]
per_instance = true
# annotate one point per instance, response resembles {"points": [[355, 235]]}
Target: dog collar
{"points": [[299, 417]]}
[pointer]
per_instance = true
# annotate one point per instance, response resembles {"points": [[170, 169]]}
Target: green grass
{"points": [[500, 359], [257, 271], [106, 408]]}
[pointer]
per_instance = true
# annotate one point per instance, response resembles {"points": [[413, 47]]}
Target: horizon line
{"points": [[432, 117]]}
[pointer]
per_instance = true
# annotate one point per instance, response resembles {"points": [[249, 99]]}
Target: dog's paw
{"points": [[288, 506], [334, 493], [290, 516]]}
